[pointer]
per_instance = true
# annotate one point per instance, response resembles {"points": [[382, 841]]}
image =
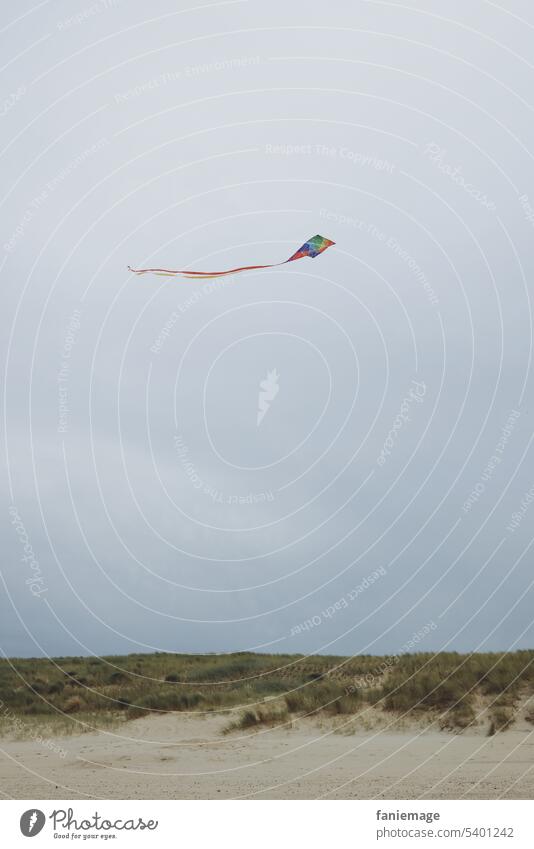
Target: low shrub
{"points": [[72, 705], [461, 716]]}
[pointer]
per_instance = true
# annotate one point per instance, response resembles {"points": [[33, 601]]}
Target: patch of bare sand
{"points": [[187, 757]]}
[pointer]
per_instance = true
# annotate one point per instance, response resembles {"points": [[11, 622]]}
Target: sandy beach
{"points": [[187, 757]]}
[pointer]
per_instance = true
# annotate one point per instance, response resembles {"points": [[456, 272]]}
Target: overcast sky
{"points": [[384, 489]]}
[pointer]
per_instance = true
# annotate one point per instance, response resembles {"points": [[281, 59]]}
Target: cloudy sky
{"points": [[385, 489]]}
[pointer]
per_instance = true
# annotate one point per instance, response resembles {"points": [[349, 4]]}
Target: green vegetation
{"points": [[85, 692]]}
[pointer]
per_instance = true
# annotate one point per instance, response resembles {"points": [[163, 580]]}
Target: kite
{"points": [[312, 248]]}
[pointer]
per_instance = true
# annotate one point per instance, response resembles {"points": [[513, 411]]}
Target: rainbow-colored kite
{"points": [[313, 247]]}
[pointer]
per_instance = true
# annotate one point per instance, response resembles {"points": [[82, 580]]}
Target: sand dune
{"points": [[187, 757]]}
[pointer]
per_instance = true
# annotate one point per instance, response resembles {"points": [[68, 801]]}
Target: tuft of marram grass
{"points": [[266, 716]]}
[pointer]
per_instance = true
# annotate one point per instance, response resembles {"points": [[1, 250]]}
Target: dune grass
{"points": [[269, 689]]}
